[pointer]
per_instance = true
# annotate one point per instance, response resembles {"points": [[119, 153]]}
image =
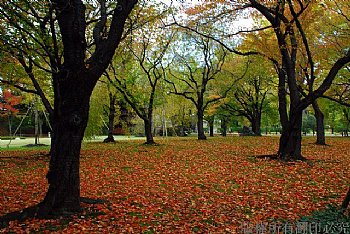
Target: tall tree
{"points": [[286, 20], [144, 55], [250, 94], [63, 26], [196, 74]]}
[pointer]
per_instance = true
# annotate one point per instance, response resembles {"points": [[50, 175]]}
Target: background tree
{"points": [[180, 112], [8, 103], [196, 71], [250, 93], [144, 55]]}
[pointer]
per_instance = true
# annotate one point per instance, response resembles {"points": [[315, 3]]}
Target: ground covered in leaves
{"points": [[181, 185]]}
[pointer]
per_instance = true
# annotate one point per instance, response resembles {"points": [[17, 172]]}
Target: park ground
{"points": [[181, 185]]}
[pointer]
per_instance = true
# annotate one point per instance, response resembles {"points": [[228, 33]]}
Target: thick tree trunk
{"points": [[321, 139], [290, 140], [256, 123], [148, 132], [111, 116], [211, 127], [200, 128], [70, 120]]}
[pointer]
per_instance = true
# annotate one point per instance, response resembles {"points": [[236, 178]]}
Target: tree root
{"points": [[109, 140], [92, 201], [32, 212], [278, 157], [27, 213]]}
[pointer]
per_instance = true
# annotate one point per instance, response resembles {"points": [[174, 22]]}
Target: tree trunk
{"points": [[345, 202], [321, 139], [211, 127], [256, 123], [290, 140], [224, 126], [200, 128], [182, 129], [70, 120], [10, 124], [148, 132], [36, 123], [111, 116]]}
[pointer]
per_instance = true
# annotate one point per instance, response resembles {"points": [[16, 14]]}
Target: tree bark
{"points": [[321, 139], [256, 123], [148, 132], [290, 140], [111, 116], [36, 123], [10, 124], [200, 128], [345, 202], [71, 114], [211, 127], [224, 126]]}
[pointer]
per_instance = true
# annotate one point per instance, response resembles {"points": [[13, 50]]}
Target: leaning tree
{"points": [[76, 50]]}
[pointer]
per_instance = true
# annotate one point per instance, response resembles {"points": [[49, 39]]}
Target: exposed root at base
{"points": [[33, 212]]}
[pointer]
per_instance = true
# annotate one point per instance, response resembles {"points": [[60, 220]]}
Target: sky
{"points": [[241, 23]]}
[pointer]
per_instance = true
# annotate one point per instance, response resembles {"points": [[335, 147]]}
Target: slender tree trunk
{"points": [[111, 116], [200, 128], [321, 139], [36, 123], [10, 124], [70, 120], [290, 140], [224, 126], [148, 132], [182, 129], [211, 127], [40, 127]]}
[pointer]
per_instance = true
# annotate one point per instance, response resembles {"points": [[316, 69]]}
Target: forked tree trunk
{"points": [[290, 140], [200, 128], [148, 132], [321, 139], [70, 120]]}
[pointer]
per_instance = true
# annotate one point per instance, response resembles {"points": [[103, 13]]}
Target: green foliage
{"points": [[309, 123], [95, 123]]}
